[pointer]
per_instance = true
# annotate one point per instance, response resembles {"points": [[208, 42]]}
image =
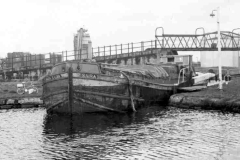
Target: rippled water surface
{"points": [[151, 133]]}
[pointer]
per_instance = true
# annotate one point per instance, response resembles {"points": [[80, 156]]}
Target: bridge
{"points": [[230, 41], [130, 53]]}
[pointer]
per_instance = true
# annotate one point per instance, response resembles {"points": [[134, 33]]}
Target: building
{"points": [[16, 59], [82, 45], [228, 58], [211, 58]]}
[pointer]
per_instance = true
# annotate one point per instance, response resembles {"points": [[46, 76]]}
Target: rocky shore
{"points": [[211, 98]]}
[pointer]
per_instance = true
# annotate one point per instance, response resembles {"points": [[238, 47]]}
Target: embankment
{"points": [[211, 98]]}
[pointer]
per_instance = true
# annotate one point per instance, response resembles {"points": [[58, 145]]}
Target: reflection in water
{"points": [[92, 123], [88, 135], [151, 133]]}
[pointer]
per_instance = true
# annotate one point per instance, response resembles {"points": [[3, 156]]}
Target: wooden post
{"points": [[40, 57], [121, 48], [116, 51], [12, 62], [66, 55], [98, 52], [92, 53], [30, 60], [104, 52], [190, 69], [70, 89], [34, 64], [110, 51], [132, 55], [80, 54], [128, 50], [151, 47]]}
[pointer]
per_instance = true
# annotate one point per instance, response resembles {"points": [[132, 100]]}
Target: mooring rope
{"points": [[129, 90]]}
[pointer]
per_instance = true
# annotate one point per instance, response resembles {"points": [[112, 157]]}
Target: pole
{"points": [[219, 50], [70, 90]]}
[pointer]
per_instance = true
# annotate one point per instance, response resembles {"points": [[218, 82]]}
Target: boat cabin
{"points": [[84, 67]]}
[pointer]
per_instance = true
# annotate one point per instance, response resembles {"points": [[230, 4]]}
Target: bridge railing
{"points": [[17, 62], [24, 61], [114, 50]]}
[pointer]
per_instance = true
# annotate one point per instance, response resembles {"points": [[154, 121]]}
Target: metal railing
{"points": [[21, 61], [115, 50], [183, 74]]}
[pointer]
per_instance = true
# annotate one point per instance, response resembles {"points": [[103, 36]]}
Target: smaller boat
{"points": [[202, 78]]}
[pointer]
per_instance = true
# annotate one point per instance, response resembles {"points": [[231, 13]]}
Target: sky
{"points": [[43, 26]]}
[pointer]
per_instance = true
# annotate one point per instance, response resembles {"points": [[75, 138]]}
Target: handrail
{"points": [[181, 70], [200, 28], [157, 29], [156, 37]]}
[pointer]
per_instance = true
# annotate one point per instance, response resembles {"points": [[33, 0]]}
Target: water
{"points": [[151, 133]]}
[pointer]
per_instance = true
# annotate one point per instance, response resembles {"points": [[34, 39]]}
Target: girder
{"points": [[199, 42]]}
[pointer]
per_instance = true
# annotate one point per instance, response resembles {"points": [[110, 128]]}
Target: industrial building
{"points": [[82, 45]]}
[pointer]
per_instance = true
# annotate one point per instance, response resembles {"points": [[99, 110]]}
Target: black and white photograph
{"points": [[120, 80]]}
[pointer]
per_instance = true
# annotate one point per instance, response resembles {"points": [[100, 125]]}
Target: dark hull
{"points": [[99, 93]]}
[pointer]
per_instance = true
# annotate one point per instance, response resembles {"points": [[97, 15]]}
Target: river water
{"points": [[151, 133]]}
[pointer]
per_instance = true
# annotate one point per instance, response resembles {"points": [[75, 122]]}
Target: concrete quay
{"points": [[26, 102], [211, 98]]}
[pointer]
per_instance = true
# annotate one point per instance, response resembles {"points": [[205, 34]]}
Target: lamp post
{"points": [[219, 47]]}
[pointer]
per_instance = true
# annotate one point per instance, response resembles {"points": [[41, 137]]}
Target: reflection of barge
{"points": [[76, 87]]}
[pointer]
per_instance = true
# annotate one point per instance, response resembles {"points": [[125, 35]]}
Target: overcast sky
{"points": [[43, 26]]}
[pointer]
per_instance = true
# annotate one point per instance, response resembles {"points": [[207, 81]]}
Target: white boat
{"points": [[202, 78]]}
